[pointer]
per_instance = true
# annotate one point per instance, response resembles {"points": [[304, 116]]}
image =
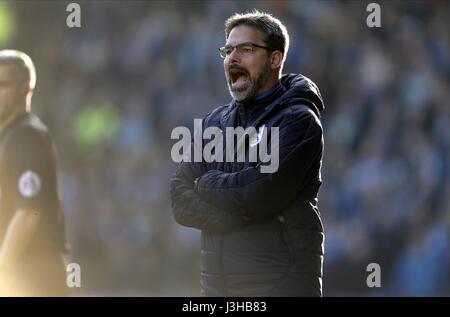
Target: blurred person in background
{"points": [[32, 237], [261, 232]]}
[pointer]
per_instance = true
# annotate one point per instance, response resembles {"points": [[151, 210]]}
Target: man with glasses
{"points": [[261, 232]]}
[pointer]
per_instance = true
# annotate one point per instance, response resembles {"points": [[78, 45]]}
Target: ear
{"points": [[276, 59], [25, 88]]}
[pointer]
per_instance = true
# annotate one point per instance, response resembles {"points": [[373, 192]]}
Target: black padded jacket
{"points": [[262, 234]]}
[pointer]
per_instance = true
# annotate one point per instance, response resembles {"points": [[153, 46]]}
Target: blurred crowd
{"points": [[112, 91]]}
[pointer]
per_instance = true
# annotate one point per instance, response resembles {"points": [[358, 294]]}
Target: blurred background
{"points": [[112, 91]]}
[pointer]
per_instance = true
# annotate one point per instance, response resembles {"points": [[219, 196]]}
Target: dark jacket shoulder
{"points": [[26, 132]]}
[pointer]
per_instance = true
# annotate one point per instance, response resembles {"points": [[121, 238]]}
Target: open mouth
{"points": [[238, 77]]}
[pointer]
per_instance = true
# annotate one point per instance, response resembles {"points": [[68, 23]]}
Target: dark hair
{"points": [[274, 32]]}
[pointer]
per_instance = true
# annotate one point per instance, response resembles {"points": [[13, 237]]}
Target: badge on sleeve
{"points": [[29, 184]]}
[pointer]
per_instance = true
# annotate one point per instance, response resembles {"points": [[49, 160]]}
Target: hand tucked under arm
{"points": [[192, 211]]}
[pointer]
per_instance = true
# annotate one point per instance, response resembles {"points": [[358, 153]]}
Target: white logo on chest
{"points": [[256, 138], [29, 184]]}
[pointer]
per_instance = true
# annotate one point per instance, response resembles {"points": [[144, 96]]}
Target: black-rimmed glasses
{"points": [[243, 49]]}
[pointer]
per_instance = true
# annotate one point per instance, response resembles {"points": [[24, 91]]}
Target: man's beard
{"points": [[252, 87]]}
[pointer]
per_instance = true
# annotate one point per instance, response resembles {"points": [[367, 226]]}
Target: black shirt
{"points": [[28, 180]]}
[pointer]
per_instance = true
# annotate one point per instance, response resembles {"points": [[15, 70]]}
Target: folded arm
{"points": [[192, 211], [254, 195]]}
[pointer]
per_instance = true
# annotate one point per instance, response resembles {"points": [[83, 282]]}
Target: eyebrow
{"points": [[243, 43]]}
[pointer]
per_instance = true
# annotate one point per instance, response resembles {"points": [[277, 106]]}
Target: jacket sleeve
{"points": [[188, 207], [254, 195], [192, 211]]}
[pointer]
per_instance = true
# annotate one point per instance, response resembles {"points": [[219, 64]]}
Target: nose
{"points": [[233, 57]]}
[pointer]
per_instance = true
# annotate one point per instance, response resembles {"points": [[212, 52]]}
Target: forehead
{"points": [[244, 33], [7, 71]]}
